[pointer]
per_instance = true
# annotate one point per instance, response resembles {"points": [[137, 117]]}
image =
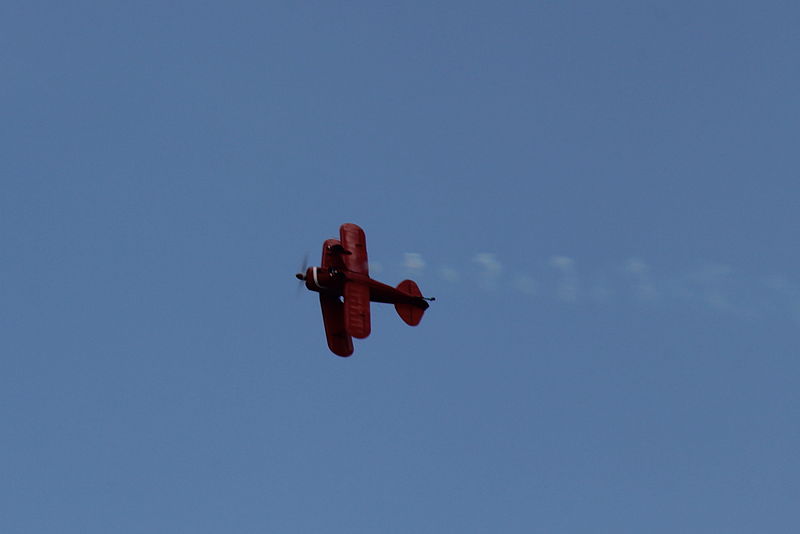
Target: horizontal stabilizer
{"points": [[411, 312]]}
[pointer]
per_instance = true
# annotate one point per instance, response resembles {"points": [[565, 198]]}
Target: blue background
{"points": [[603, 196]]}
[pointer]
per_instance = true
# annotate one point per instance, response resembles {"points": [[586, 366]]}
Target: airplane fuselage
{"points": [[331, 282]]}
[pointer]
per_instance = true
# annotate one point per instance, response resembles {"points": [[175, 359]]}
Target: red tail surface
{"points": [[411, 312]]}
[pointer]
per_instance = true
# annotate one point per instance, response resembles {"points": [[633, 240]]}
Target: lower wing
{"points": [[339, 341]]}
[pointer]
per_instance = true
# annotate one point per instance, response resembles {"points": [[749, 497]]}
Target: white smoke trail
{"points": [[567, 285], [714, 286], [491, 269], [413, 261]]}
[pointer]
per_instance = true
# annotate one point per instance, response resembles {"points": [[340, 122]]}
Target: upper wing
{"points": [[339, 341], [332, 254], [356, 309], [355, 242]]}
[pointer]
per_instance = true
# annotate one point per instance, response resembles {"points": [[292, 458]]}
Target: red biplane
{"points": [[346, 289]]}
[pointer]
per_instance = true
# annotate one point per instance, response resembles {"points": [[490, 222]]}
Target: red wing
{"points": [[339, 341], [332, 255], [355, 242], [356, 309]]}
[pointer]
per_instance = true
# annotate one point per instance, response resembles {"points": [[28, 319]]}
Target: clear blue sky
{"points": [[602, 195]]}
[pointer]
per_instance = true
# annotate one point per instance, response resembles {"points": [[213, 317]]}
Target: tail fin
{"points": [[411, 312]]}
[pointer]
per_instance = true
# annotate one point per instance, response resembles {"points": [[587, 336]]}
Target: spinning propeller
{"points": [[301, 276]]}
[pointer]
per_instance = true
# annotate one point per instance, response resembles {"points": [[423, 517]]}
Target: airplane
{"points": [[346, 289]]}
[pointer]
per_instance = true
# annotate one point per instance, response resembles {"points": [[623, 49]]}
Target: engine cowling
{"points": [[319, 279]]}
